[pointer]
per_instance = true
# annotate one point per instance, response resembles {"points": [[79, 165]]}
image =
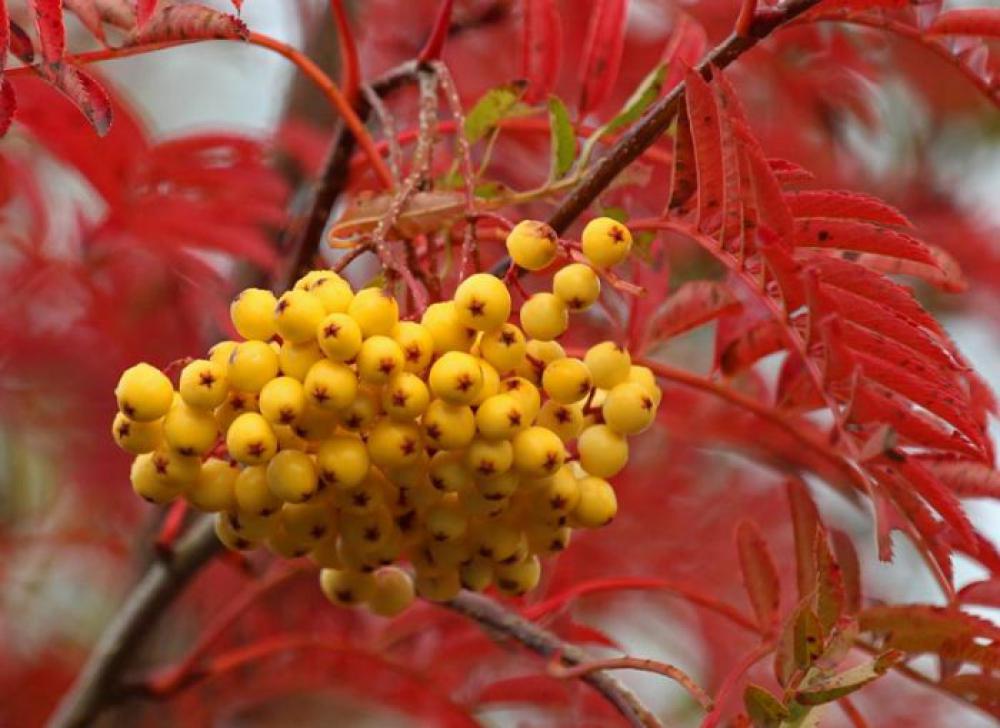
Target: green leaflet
{"points": [[494, 106], [563, 139], [641, 99]]}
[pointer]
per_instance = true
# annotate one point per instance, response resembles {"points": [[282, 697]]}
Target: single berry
{"points": [[456, 377], [500, 417], [136, 437], [405, 396], [190, 431], [628, 409], [291, 476], [609, 364], [379, 359], [544, 316], [346, 588], [343, 462], [482, 302], [518, 579], [144, 393], [295, 360], [393, 444], [252, 364], [597, 505], [282, 400], [538, 452], [252, 313], [442, 322], [204, 384], [504, 347], [330, 385], [448, 426], [566, 420], [489, 458], [375, 310], [392, 592], [250, 439], [214, 489], [339, 337], [603, 452], [297, 314], [577, 285], [332, 291], [566, 381], [606, 242], [252, 494], [532, 244], [417, 345]]}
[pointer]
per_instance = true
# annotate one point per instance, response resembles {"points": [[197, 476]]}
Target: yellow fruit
{"points": [[315, 423], [281, 543], [339, 337], [603, 452], [605, 242], [558, 495], [306, 522], [136, 437], [525, 392], [500, 417], [360, 413], [405, 396], [392, 592], [482, 302], [236, 404], [544, 316], [292, 477], [250, 439], [519, 578], [150, 480], [564, 420], [375, 310], [438, 587], [489, 458], [295, 360], [393, 444], [597, 505], [538, 452], [252, 494], [644, 376], [380, 357], [297, 315], [190, 431], [628, 409], [447, 471], [343, 461], [500, 542], [311, 277], [252, 364], [504, 347], [214, 489], [332, 291], [252, 313], [417, 345], [577, 285], [448, 426], [325, 553], [532, 244], [456, 378], [566, 381], [476, 574], [144, 393], [220, 353], [609, 364], [442, 322], [545, 539], [229, 536], [203, 384], [500, 487], [330, 385], [346, 588], [282, 400]]}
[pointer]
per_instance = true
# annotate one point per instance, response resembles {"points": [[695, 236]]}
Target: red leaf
{"points": [[862, 237], [760, 577], [981, 22], [938, 496], [967, 480], [805, 522], [88, 14], [985, 593], [690, 306], [685, 47], [829, 583], [8, 105], [144, 10], [533, 689], [838, 203], [20, 44], [703, 116], [683, 173], [850, 570], [4, 35], [927, 528], [763, 339], [943, 272], [51, 30], [541, 48], [788, 172], [86, 94], [602, 52], [189, 22]]}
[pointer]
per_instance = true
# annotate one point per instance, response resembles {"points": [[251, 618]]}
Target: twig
{"points": [[495, 618], [635, 663]]}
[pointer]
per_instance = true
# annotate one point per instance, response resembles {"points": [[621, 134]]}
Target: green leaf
{"points": [[765, 710], [804, 716], [642, 245], [800, 643], [760, 577], [829, 585], [494, 106], [828, 689], [618, 214], [563, 138], [641, 99]]}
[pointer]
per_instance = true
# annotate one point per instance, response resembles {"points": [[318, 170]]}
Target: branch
{"points": [[636, 663], [493, 617], [161, 583]]}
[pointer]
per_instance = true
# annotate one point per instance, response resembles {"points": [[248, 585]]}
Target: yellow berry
{"points": [[605, 242], [564, 420], [544, 316], [405, 396], [325, 553], [150, 479], [538, 355], [214, 489], [489, 458], [360, 413], [532, 244], [315, 423], [446, 522], [504, 347], [644, 376], [229, 536], [597, 505], [482, 302], [379, 359], [297, 314], [282, 400], [438, 587], [525, 392], [447, 471], [375, 310], [339, 336], [392, 444], [330, 385], [332, 291], [366, 497], [219, 354], [236, 404], [417, 345], [476, 505], [500, 417], [499, 487], [628, 409], [538, 452], [518, 579], [559, 494], [295, 360], [311, 277], [252, 313], [500, 542], [577, 285], [291, 476], [190, 431], [346, 588], [566, 381], [343, 461], [281, 543], [144, 393], [253, 496], [136, 437], [603, 452], [456, 377], [476, 574], [448, 426], [442, 322], [203, 384], [250, 439], [609, 364], [392, 593], [252, 364], [546, 539], [306, 522], [491, 382]]}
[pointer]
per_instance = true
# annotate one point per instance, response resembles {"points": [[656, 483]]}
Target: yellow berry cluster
{"points": [[338, 431]]}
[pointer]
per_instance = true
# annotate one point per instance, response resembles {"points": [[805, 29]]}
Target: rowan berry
{"points": [[482, 302], [136, 437], [491, 382], [295, 360], [252, 494], [236, 404], [566, 420], [644, 377], [504, 347], [476, 574], [500, 487], [315, 423], [379, 359], [325, 552], [229, 536], [339, 337], [566, 381], [282, 400], [442, 322], [203, 384], [603, 452], [606, 242], [150, 482], [609, 364], [332, 291], [292, 477], [360, 413], [447, 471], [489, 458], [297, 314], [144, 393], [525, 392], [252, 313], [557, 495], [597, 505], [214, 489], [500, 542], [330, 385], [343, 461], [438, 587], [250, 439], [375, 310], [518, 578], [628, 409], [311, 277], [500, 417], [544, 316], [219, 354], [538, 452], [252, 364], [392, 592], [546, 539], [417, 345], [346, 588], [577, 285], [456, 378], [393, 444], [190, 431], [364, 498], [532, 244], [405, 396], [306, 523]]}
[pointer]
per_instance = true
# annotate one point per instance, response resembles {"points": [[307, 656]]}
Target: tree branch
{"points": [[495, 618]]}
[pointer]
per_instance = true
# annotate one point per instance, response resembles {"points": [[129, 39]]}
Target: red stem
{"points": [[439, 33], [732, 680], [171, 528], [350, 81]]}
